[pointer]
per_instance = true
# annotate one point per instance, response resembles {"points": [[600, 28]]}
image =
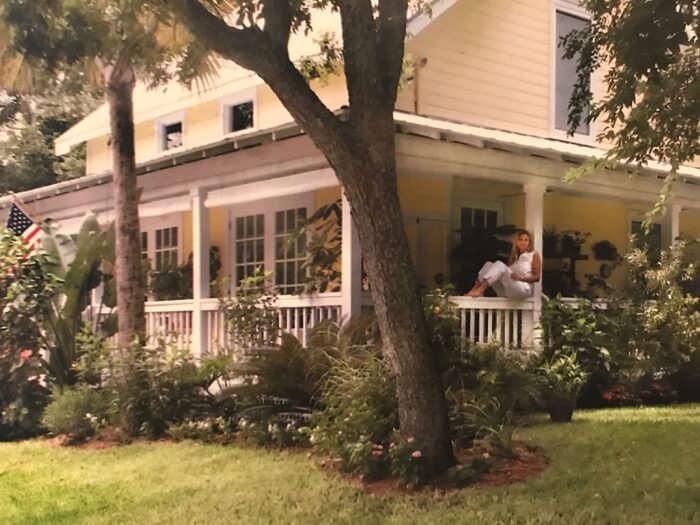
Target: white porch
{"points": [[203, 189]]}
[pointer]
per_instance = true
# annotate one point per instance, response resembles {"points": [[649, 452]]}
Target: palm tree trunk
{"points": [[128, 272]]}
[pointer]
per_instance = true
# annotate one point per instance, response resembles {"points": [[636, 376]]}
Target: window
{"points": [[478, 218], [240, 117], [289, 257], [166, 249], [249, 245], [238, 112], [170, 132], [161, 240], [649, 241], [565, 74]]}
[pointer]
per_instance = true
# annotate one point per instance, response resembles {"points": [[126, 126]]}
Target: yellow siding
{"points": [[98, 156], [488, 64], [604, 219], [690, 223], [203, 124], [425, 203]]}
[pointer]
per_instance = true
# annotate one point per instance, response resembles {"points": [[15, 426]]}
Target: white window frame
{"points": [[225, 105], [568, 7], [162, 123], [149, 225], [268, 208]]}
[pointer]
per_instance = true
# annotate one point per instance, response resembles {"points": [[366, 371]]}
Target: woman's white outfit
{"points": [[498, 275]]}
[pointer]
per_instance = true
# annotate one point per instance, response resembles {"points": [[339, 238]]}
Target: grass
{"points": [[637, 466]]}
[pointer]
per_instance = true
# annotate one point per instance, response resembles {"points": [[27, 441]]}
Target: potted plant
{"points": [[561, 380], [571, 242], [605, 251]]}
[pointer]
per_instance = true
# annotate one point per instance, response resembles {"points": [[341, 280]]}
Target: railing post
{"points": [[351, 277], [534, 223], [200, 272]]}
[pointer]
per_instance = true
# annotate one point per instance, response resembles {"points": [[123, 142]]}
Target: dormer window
{"points": [[170, 132], [238, 112]]}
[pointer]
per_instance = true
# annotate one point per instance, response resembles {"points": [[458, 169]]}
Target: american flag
{"points": [[20, 223]]}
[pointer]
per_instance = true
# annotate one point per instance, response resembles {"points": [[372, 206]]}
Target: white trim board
{"points": [[267, 189]]}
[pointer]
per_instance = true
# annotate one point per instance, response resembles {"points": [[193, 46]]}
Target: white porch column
{"points": [[200, 271], [534, 223], [671, 225], [351, 284]]}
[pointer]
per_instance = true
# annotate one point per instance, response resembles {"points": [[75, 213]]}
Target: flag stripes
{"points": [[23, 226]]}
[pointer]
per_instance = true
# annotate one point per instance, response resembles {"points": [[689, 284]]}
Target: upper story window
{"points": [[170, 131], [565, 74], [241, 116], [239, 112]]}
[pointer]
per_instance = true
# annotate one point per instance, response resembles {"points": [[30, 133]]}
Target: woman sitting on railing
{"points": [[514, 281]]}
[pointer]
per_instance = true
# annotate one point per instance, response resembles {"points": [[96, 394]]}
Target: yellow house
{"points": [[481, 143]]}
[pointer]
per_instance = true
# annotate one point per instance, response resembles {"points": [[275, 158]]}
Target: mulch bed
{"points": [[525, 463]]}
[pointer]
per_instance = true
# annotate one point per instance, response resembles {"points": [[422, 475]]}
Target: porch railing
{"points": [[498, 320], [508, 323]]}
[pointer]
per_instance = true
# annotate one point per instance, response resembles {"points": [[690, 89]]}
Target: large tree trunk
{"points": [[120, 82], [370, 183], [361, 149]]}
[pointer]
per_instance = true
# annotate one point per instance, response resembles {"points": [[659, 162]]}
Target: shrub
{"points": [[583, 329], [26, 292], [407, 462], [492, 421], [76, 411], [359, 410], [250, 316], [207, 430]]}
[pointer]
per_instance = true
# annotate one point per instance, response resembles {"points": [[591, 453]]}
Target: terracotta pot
{"points": [[561, 409]]}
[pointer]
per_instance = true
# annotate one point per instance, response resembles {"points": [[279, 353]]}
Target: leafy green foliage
{"points": [[25, 302], [81, 264], [76, 411], [250, 316], [27, 143], [175, 281], [648, 55]]}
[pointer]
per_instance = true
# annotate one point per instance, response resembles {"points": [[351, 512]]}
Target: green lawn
{"points": [[622, 466]]}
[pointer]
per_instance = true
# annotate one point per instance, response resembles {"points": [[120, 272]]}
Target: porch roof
{"points": [[406, 123]]}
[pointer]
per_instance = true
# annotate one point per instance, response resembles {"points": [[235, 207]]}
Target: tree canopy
{"points": [[648, 57]]}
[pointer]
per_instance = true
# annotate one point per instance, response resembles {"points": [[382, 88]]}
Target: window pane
{"points": [[259, 250], [172, 135], [159, 239], [466, 218], [242, 116], [249, 226], [260, 225], [239, 227], [479, 218], [566, 73], [279, 222]]}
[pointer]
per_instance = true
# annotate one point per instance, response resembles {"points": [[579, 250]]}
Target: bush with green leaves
{"points": [[408, 462], [359, 409], [26, 292], [211, 429], [150, 388], [584, 328], [76, 411], [250, 315]]}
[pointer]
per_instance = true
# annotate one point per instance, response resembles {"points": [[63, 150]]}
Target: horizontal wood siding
{"points": [[488, 64]]}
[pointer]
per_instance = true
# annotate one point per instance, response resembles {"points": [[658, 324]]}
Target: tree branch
{"points": [[253, 49], [278, 21], [392, 35], [360, 52]]}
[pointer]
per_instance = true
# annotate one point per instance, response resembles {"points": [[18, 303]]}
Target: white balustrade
{"points": [[482, 320], [496, 320]]}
